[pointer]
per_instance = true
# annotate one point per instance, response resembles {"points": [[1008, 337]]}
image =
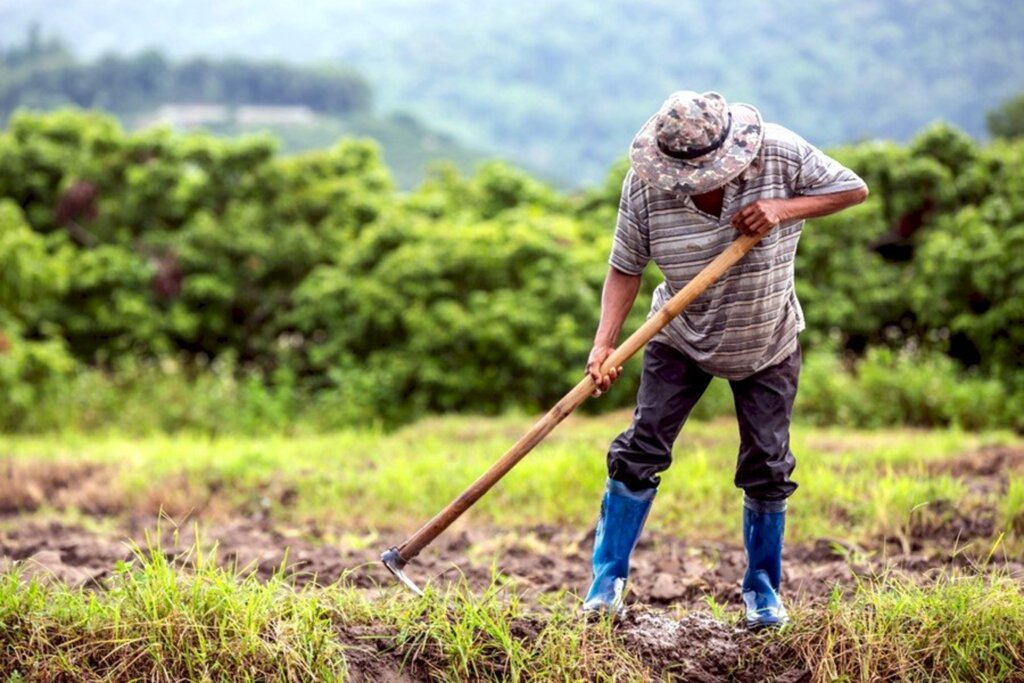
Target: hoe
{"points": [[396, 558]]}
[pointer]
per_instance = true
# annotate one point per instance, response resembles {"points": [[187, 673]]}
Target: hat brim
{"points": [[703, 174]]}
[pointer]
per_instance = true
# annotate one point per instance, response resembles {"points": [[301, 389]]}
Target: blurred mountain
{"points": [[562, 86], [302, 106]]}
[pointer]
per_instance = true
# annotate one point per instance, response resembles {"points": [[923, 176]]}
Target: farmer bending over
{"points": [[701, 170]]}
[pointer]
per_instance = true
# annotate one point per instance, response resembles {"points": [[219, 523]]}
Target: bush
{"points": [[455, 316], [278, 285], [143, 398], [30, 372], [970, 281], [910, 389]]}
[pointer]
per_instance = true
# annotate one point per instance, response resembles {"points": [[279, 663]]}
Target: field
{"points": [[233, 370], [227, 558]]}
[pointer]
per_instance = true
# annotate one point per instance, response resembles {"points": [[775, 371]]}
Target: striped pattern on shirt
{"points": [[750, 318]]}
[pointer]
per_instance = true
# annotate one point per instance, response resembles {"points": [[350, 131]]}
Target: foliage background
{"points": [[245, 289], [150, 280], [42, 73], [561, 87]]}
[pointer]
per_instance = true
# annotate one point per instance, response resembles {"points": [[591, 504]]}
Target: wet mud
{"points": [[666, 571]]}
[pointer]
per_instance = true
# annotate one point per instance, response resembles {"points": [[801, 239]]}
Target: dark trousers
{"points": [[670, 387]]}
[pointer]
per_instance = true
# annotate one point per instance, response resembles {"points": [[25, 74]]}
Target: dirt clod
{"points": [[695, 648]]}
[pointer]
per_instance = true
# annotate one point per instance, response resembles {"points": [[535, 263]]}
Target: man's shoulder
{"points": [[777, 135], [633, 181], [634, 187], [780, 141]]}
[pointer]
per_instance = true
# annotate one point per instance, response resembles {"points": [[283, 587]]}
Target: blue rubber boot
{"points": [[764, 523], [623, 513]]}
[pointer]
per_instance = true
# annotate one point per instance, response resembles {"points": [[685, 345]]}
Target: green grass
{"points": [[156, 622], [855, 484], [1012, 507], [955, 629]]}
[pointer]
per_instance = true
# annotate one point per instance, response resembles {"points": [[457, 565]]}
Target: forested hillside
{"points": [[305, 107], [562, 86], [43, 73], [199, 275]]}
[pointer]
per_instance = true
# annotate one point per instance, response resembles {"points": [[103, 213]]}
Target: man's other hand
{"points": [[598, 354], [757, 218]]}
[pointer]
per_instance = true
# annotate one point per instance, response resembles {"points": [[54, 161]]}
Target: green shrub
{"points": [[970, 280], [287, 284], [845, 288], [888, 388], [30, 372], [455, 316]]}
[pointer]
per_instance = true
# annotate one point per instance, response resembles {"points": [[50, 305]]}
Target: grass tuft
{"points": [[156, 622], [182, 617], [1012, 507], [959, 628]]}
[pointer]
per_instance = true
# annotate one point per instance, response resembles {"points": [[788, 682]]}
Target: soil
{"points": [[667, 622], [27, 485], [666, 571], [986, 470]]}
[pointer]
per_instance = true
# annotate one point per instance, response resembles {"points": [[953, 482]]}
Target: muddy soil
{"points": [[666, 571], [543, 559], [668, 622], [986, 470]]}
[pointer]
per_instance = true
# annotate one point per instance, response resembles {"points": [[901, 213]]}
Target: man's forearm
{"points": [[617, 297], [813, 206], [757, 218]]}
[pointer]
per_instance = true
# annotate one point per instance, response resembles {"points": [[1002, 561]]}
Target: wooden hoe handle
{"points": [[636, 341]]}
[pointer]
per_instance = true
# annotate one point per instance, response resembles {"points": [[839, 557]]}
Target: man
{"points": [[701, 170]]}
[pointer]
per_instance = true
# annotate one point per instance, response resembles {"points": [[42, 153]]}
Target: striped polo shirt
{"points": [[750, 318]]}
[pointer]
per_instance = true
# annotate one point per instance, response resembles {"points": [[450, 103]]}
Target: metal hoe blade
{"points": [[395, 563]]}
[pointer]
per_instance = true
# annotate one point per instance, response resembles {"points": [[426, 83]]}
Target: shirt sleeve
{"points": [[631, 247], [818, 173]]}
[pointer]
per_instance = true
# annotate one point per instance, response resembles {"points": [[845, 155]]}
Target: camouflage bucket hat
{"points": [[696, 143]]}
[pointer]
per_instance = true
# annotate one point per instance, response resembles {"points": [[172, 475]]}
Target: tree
{"points": [[1007, 121]]}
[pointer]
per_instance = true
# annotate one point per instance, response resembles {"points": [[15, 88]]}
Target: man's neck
{"points": [[710, 202]]}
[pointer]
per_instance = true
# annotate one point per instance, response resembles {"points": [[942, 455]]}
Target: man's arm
{"points": [[617, 297], [761, 216]]}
